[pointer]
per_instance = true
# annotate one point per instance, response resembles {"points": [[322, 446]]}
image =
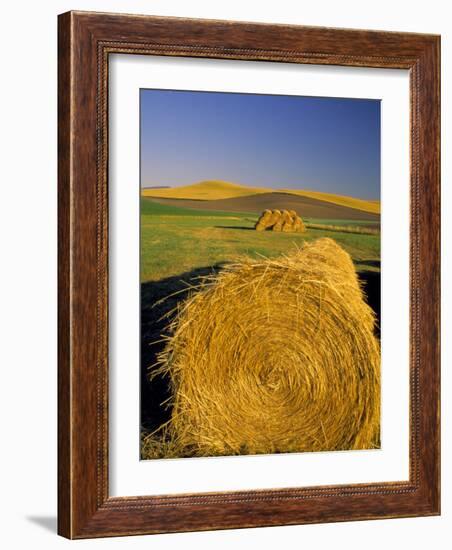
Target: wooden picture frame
{"points": [[86, 40]]}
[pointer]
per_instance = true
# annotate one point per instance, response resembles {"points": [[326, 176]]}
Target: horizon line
{"points": [[270, 189]]}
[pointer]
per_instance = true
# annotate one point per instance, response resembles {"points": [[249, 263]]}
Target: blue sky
{"points": [[322, 144]]}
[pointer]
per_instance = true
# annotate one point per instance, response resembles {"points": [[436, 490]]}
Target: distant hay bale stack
{"points": [[286, 221], [274, 355]]}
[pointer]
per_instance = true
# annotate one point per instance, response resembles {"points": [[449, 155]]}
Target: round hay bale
{"points": [[276, 355], [276, 214], [298, 225], [284, 218], [262, 222], [287, 227]]}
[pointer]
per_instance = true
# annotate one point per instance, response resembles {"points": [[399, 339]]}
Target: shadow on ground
{"points": [[49, 523], [368, 263], [161, 297], [371, 284], [157, 300]]}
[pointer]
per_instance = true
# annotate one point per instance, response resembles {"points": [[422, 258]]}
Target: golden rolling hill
{"points": [[218, 190], [205, 190], [342, 200]]}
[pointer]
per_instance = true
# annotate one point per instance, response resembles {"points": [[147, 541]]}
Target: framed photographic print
{"points": [[248, 275]]}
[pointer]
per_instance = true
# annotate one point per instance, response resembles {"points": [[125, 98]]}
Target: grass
{"points": [[179, 244], [345, 228], [331, 221], [178, 240]]}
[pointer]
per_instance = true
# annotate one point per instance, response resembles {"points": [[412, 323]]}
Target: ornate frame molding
{"points": [[85, 42]]}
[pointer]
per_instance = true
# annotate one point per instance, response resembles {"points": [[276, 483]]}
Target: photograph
{"points": [[260, 273], [222, 258]]}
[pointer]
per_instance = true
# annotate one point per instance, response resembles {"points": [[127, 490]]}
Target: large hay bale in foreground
{"points": [[275, 355]]}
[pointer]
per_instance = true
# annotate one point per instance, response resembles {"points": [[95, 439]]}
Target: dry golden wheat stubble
{"points": [[273, 356]]}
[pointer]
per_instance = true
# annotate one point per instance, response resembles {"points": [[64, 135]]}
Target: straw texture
{"points": [[272, 356], [275, 220]]}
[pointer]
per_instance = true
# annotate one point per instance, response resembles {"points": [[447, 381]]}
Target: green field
{"points": [[176, 241]]}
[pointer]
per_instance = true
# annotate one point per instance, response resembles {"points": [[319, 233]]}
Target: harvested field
{"points": [[304, 206]]}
